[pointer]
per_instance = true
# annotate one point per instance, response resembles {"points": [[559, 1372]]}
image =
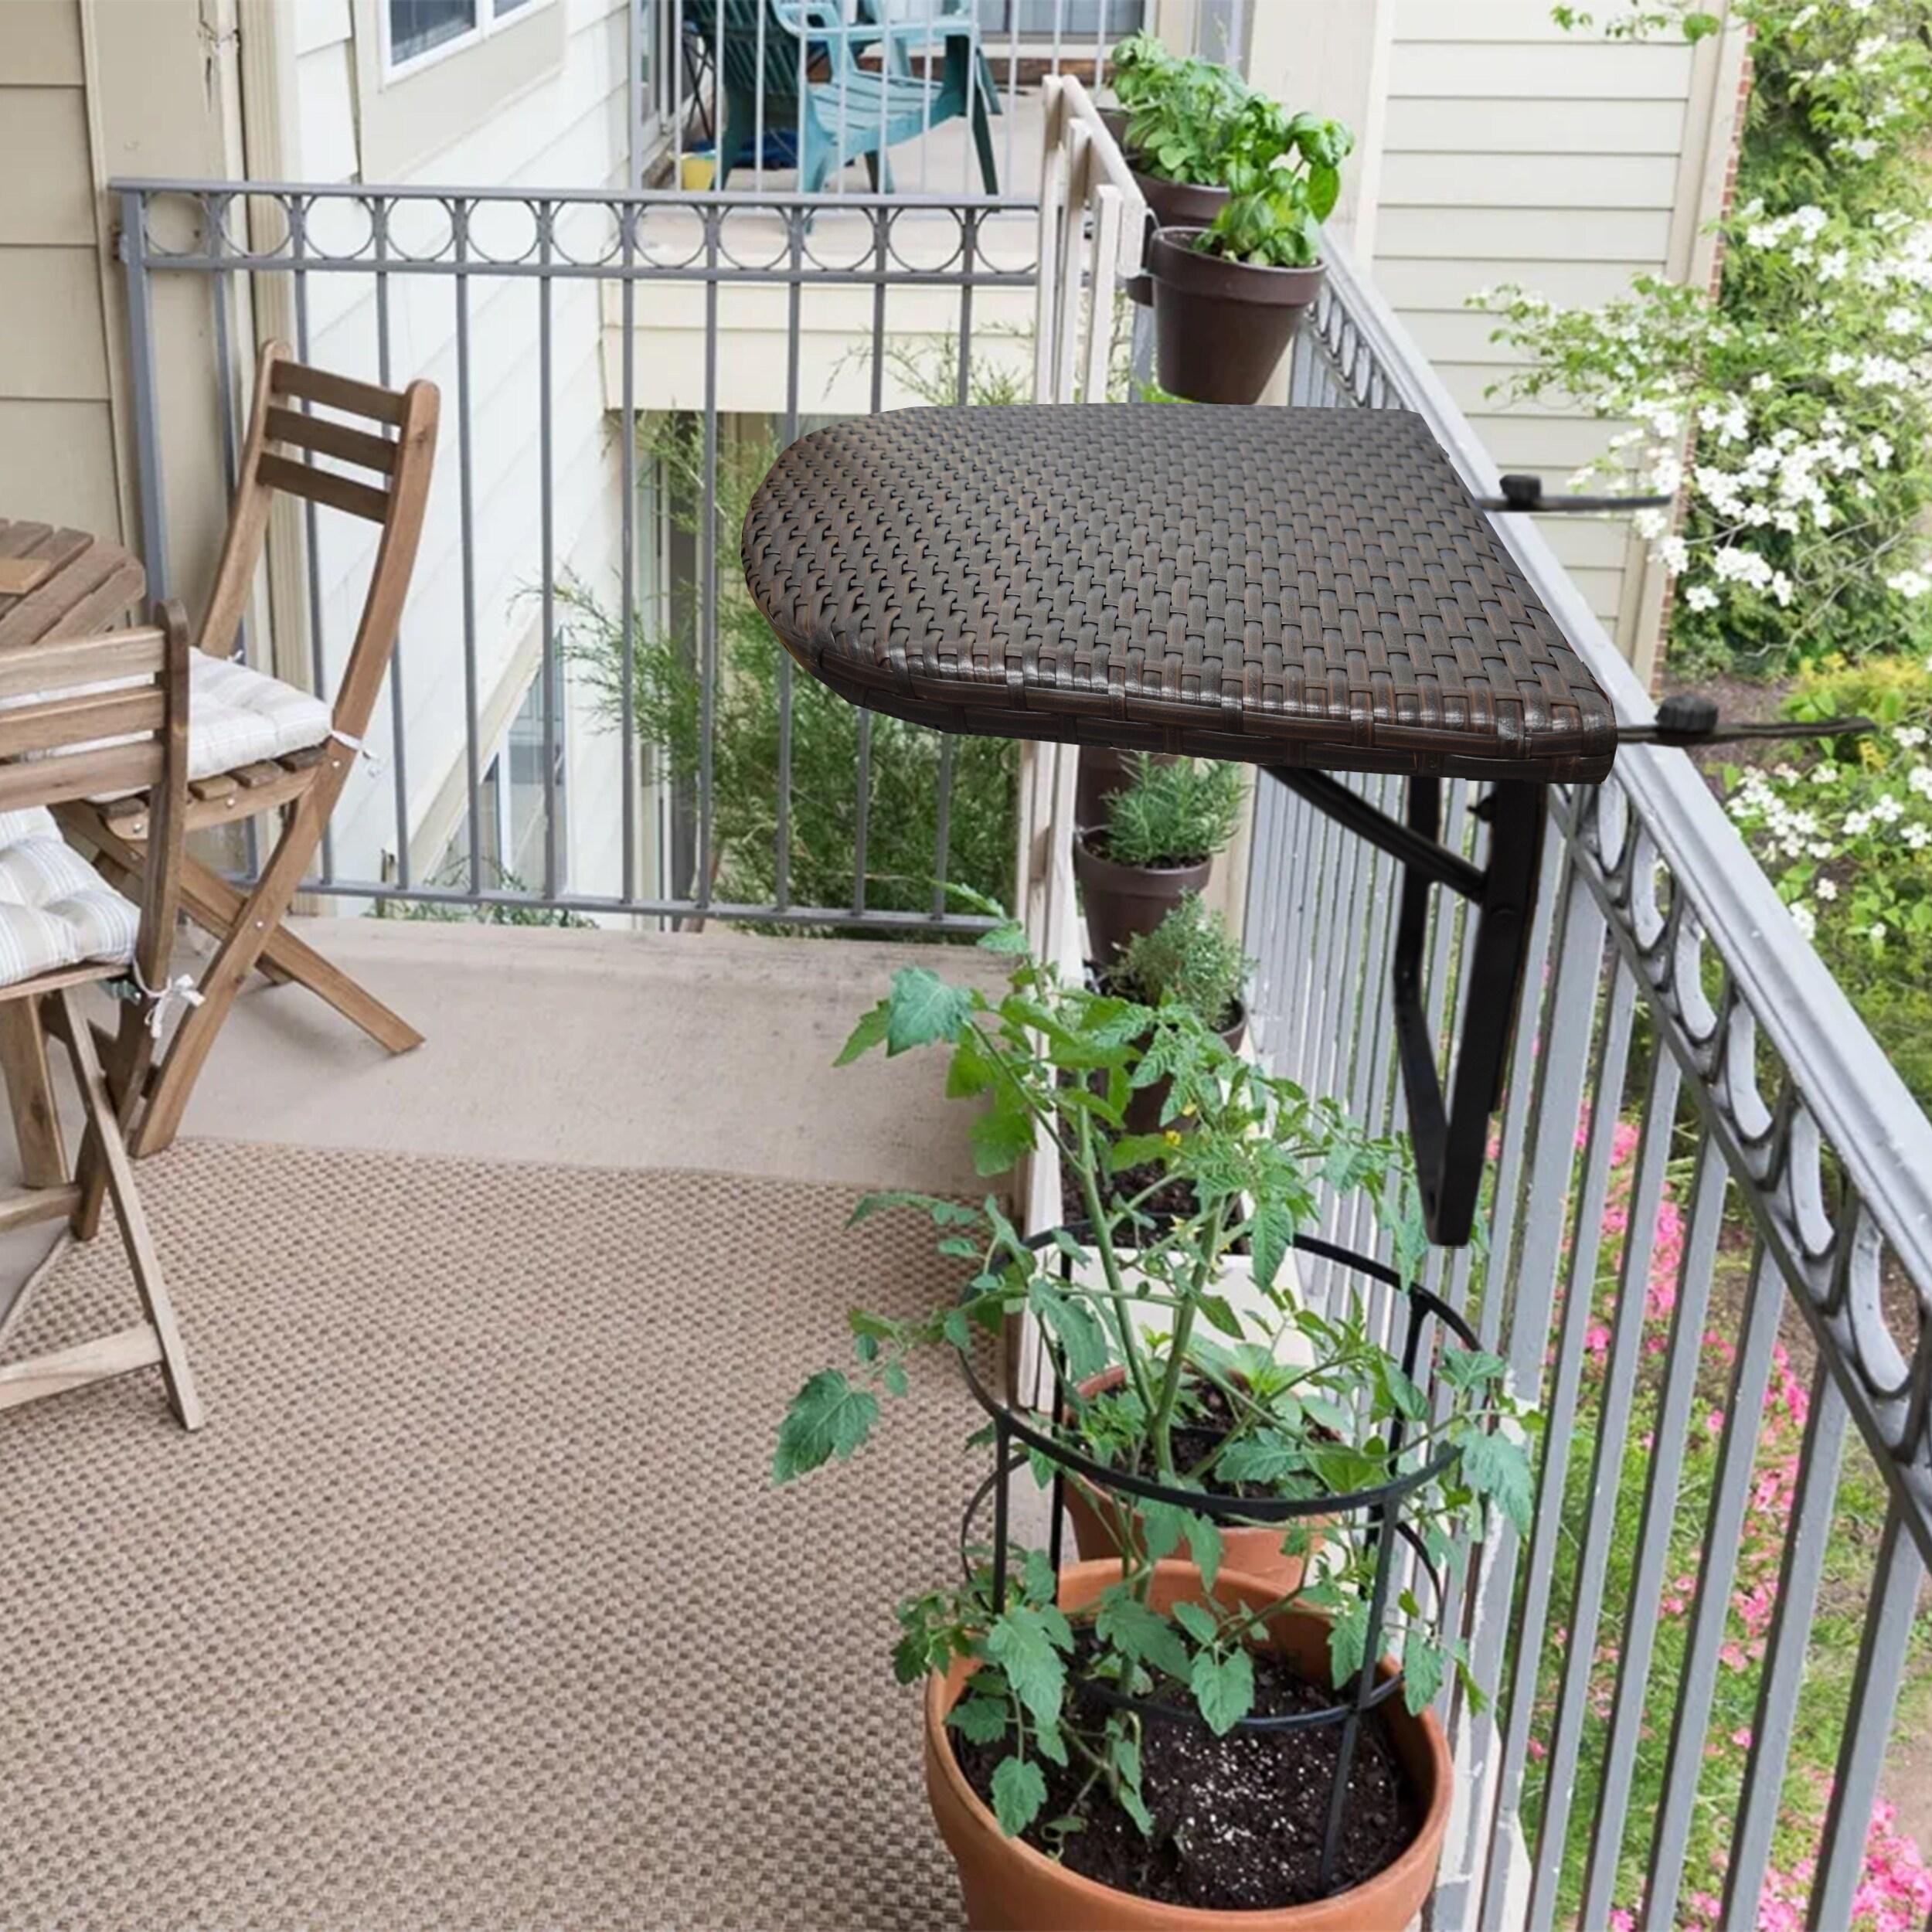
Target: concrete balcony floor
{"points": [[710, 1051]]}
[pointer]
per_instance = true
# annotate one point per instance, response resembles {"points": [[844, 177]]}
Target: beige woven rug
{"points": [[470, 1607]]}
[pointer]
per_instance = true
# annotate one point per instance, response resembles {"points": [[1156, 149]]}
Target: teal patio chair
{"points": [[852, 114]]}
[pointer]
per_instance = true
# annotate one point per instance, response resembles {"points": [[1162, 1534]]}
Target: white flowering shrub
{"points": [[1793, 417], [1847, 838]]}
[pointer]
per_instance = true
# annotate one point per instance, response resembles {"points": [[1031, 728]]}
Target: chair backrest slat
{"points": [[330, 438], [79, 774], [336, 392], [339, 492]]}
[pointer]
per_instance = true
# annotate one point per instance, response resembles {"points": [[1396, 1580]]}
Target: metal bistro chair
{"points": [[118, 718], [855, 113], [257, 745]]}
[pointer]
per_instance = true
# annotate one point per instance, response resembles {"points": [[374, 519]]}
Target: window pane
{"points": [[1076, 20], [416, 25], [509, 6]]}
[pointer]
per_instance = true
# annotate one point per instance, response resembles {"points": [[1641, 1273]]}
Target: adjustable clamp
{"points": [[1523, 495]]}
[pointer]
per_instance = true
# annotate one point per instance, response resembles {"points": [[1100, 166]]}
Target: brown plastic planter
{"points": [[1173, 204], [1010, 1887], [1220, 326], [1122, 900], [1252, 1549]]}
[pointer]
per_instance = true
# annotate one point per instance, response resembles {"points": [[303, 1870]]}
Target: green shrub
{"points": [[1174, 815], [903, 859], [1846, 833], [1190, 956], [1795, 415]]}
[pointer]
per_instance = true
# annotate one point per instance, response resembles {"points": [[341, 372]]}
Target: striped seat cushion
{"points": [[237, 716], [54, 909]]}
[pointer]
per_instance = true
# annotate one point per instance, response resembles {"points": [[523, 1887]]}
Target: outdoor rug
{"points": [[471, 1606]]}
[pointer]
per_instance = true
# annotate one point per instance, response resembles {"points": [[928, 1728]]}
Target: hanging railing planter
{"points": [[1222, 326]]}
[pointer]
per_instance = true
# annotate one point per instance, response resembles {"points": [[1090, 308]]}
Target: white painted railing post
{"points": [[1092, 224]]}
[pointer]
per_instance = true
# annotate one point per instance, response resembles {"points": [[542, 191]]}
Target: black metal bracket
{"points": [[1690, 718], [1523, 495], [1451, 1133]]}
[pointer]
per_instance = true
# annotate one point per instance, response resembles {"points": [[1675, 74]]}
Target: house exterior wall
{"points": [[1516, 151], [58, 462], [552, 114]]}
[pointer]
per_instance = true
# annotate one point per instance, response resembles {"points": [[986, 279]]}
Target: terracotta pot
{"points": [[1173, 204], [1145, 1104], [1010, 1887], [1104, 771], [1220, 327], [1252, 1549], [1122, 900]]}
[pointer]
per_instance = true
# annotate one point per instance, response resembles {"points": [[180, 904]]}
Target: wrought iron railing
{"points": [[561, 327], [1710, 1261]]}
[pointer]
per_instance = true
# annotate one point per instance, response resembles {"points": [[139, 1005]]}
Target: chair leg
{"points": [[215, 905], [103, 1126], [130, 1056], [983, 140], [36, 1120], [241, 945]]}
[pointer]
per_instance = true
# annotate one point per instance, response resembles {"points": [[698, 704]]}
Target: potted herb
{"points": [[1228, 296], [1161, 834], [1104, 770], [1100, 1744], [1180, 114], [1190, 956]]}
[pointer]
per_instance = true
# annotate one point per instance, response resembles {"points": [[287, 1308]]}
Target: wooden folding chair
{"points": [[256, 745], [61, 927]]}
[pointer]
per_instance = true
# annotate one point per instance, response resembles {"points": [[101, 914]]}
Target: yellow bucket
{"points": [[696, 173]]}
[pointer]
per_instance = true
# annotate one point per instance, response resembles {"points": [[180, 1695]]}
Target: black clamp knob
{"points": [[1523, 495]]}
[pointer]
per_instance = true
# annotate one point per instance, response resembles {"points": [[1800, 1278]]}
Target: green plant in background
{"points": [[1284, 173], [1181, 113], [748, 747], [1804, 396], [1847, 834], [1058, 1063], [1174, 815], [457, 873], [1190, 956]]}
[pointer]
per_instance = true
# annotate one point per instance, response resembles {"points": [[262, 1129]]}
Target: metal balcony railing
{"points": [[1709, 1261], [570, 333]]}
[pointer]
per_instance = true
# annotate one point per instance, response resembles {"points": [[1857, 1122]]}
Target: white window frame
{"points": [[489, 21]]}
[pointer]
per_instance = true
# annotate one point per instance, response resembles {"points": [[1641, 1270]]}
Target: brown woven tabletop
{"points": [[1294, 586]]}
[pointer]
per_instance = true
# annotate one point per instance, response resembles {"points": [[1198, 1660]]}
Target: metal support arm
{"points": [[1451, 1136]]}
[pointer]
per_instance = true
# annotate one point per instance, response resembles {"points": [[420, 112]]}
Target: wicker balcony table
{"points": [[1310, 590]]}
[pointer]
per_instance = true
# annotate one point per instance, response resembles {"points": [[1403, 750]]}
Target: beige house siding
{"points": [[551, 115], [57, 457], [1517, 152]]}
